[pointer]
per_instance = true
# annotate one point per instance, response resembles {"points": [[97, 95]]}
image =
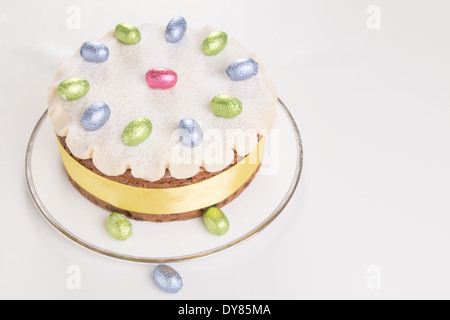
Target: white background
{"points": [[373, 108]]}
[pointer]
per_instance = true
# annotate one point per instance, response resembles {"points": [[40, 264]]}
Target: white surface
{"points": [[373, 111]]}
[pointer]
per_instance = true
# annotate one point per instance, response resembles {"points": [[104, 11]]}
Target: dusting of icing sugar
{"points": [[120, 83]]}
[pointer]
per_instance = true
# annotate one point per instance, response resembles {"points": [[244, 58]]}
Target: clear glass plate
{"points": [[85, 223]]}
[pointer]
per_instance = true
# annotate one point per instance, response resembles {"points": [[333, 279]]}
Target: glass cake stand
{"points": [[85, 223]]}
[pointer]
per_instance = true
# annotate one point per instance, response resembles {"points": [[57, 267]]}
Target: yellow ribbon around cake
{"points": [[166, 200]]}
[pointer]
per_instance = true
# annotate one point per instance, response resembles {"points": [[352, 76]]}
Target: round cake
{"points": [[162, 122]]}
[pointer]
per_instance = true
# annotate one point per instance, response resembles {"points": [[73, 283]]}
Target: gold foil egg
{"points": [[72, 89], [127, 33], [137, 131], [226, 106], [215, 221], [214, 43], [119, 226]]}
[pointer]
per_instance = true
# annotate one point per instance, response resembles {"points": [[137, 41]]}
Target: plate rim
{"points": [[275, 213]]}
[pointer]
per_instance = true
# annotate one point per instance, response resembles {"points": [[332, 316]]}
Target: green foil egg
{"points": [[137, 131], [127, 33], [226, 106], [72, 89], [214, 43], [119, 226], [215, 221]]}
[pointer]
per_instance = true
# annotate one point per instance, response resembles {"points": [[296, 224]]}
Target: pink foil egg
{"points": [[161, 78]]}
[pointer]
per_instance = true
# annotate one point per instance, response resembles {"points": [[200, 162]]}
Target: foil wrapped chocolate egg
{"points": [[215, 221], [161, 78], [137, 131], [167, 278], [95, 116], [191, 134], [119, 226], [226, 106], [242, 69], [94, 52], [175, 30], [72, 89], [127, 33], [214, 43]]}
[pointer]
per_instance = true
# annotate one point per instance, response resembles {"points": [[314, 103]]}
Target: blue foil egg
{"points": [[242, 69], [191, 134], [167, 278], [94, 52], [95, 116], [175, 30]]}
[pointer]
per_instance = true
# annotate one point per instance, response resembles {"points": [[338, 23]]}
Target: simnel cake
{"points": [[161, 122]]}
